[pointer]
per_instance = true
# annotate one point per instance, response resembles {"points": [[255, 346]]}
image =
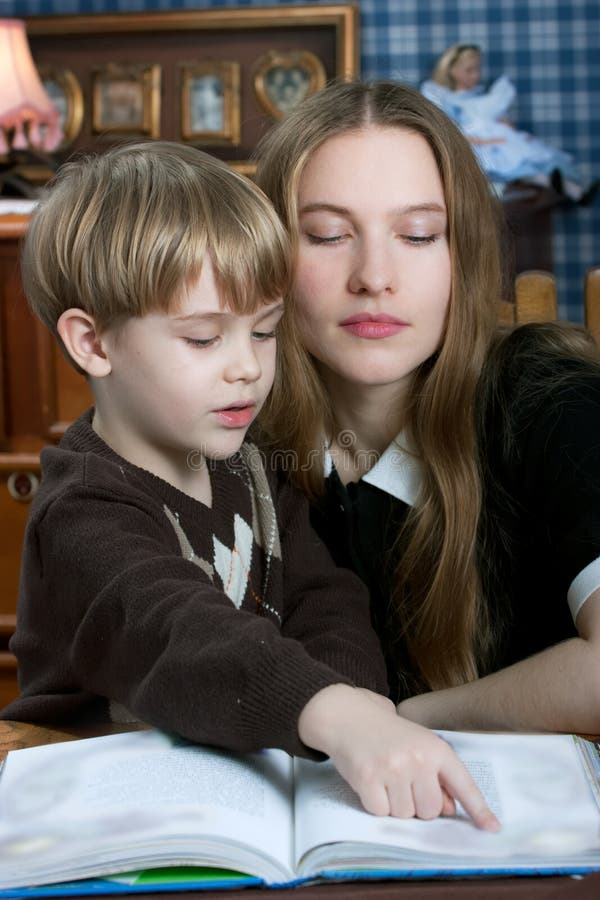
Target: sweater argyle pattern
{"points": [[231, 567]]}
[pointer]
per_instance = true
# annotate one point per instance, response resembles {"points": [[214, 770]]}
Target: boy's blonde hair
{"points": [[123, 233]]}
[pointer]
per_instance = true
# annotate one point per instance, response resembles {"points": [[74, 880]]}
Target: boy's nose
{"points": [[243, 364]]}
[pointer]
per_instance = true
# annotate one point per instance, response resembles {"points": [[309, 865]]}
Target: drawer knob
{"points": [[22, 486]]}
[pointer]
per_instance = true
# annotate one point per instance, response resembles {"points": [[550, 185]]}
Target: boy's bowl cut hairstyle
{"points": [[125, 233], [438, 622]]}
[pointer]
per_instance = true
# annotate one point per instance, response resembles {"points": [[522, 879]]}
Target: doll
{"points": [[504, 153]]}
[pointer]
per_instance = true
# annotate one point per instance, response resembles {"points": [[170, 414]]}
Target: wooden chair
{"points": [[592, 302], [535, 299]]}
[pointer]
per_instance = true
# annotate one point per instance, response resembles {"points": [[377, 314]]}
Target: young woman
{"points": [[455, 468]]}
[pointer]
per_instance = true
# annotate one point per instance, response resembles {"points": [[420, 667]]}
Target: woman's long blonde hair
{"points": [[438, 618]]}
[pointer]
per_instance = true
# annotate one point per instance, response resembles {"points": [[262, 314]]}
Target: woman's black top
{"points": [[540, 454]]}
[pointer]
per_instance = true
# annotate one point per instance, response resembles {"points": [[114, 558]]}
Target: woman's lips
{"points": [[373, 327]]}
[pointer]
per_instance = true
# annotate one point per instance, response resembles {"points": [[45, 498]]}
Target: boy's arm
{"points": [[124, 616], [326, 607], [396, 768], [111, 609]]}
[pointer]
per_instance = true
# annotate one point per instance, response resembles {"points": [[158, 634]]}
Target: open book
{"points": [[145, 800]]}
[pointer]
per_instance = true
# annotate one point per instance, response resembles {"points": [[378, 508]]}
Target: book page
{"points": [[137, 799], [534, 783]]}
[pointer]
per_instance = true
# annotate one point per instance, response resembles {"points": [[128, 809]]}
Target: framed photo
{"points": [[126, 99], [210, 102], [185, 95], [282, 80], [64, 90]]}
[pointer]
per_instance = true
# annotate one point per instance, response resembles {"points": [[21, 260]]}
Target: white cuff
{"points": [[582, 586]]}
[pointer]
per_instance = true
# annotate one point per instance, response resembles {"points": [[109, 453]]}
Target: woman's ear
{"points": [[79, 333]]}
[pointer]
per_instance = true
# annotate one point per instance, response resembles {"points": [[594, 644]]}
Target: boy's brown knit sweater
{"points": [[138, 602]]}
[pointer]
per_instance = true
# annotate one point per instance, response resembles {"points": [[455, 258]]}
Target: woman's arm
{"points": [[555, 690]]}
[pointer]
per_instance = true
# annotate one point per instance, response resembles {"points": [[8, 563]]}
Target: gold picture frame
{"points": [[63, 88], [126, 100], [84, 43], [210, 102], [282, 80]]}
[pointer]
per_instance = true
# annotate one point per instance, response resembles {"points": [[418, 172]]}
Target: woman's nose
{"points": [[374, 269]]}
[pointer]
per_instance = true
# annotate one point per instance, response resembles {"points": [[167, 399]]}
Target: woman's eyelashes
{"points": [[321, 239], [415, 240]]}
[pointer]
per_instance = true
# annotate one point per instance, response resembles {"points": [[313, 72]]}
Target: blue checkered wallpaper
{"points": [[550, 48]]}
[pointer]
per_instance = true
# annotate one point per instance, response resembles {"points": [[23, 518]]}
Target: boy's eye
{"points": [[264, 335], [200, 342]]}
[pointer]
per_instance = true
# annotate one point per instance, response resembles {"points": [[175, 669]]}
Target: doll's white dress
{"points": [[518, 155]]}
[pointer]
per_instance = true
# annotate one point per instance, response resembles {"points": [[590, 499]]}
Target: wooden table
{"points": [[16, 735]]}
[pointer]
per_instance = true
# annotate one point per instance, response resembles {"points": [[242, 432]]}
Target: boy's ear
{"points": [[79, 334]]}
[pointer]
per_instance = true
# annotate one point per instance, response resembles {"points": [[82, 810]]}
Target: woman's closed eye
{"points": [[417, 240], [325, 239]]}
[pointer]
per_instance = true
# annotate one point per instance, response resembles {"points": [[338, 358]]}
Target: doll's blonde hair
{"points": [[442, 72]]}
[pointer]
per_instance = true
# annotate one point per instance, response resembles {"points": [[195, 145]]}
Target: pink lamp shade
{"points": [[27, 115]]}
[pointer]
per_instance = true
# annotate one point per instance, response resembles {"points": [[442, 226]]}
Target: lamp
{"points": [[29, 121]]}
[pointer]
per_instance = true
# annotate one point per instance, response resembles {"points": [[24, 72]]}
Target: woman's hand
{"points": [[396, 767]]}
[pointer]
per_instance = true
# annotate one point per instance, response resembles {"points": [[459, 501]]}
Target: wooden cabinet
{"points": [[40, 393]]}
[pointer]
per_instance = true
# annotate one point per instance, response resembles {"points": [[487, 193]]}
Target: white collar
{"points": [[397, 471]]}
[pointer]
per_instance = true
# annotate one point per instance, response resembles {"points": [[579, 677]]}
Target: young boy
{"points": [[168, 575]]}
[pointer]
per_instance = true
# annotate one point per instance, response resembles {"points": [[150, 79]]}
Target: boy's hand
{"points": [[396, 767]]}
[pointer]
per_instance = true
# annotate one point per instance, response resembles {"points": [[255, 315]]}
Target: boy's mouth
{"points": [[238, 415]]}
